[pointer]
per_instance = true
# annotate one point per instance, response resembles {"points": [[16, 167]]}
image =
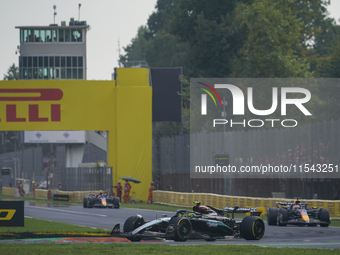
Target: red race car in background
{"points": [[297, 212]]}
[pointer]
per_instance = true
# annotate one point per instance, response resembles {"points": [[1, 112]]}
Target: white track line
{"points": [[47, 208]]}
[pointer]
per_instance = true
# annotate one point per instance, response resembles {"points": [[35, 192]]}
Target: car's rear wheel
{"points": [[272, 216], [324, 216], [85, 202], [282, 217], [182, 228], [110, 201], [252, 228], [116, 203]]}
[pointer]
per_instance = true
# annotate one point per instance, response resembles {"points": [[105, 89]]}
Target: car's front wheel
{"points": [[252, 228], [116, 203], [85, 202], [132, 223], [182, 228], [324, 216], [88, 203]]}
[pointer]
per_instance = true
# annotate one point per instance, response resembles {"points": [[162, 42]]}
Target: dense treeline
{"points": [[244, 39], [240, 38]]}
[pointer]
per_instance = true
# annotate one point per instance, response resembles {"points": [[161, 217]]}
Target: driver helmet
{"points": [[100, 192]]}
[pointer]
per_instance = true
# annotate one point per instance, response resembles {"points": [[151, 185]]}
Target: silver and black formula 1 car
{"points": [[296, 212], [102, 201], [204, 222]]}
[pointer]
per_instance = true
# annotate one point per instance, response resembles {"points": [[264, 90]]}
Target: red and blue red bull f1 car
{"points": [[297, 212]]}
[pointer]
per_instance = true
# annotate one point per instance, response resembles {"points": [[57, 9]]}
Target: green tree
{"points": [[136, 49], [165, 51], [153, 42], [271, 47], [12, 73], [160, 19], [329, 96], [213, 41]]}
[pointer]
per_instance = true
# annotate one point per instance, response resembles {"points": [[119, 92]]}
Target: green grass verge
{"points": [[38, 225], [159, 249], [37, 228]]}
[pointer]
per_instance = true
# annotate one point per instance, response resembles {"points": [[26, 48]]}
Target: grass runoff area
{"points": [[42, 227], [131, 249]]}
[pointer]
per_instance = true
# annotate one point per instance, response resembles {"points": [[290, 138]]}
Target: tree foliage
{"points": [[12, 73], [208, 28], [274, 36], [243, 39], [155, 44]]}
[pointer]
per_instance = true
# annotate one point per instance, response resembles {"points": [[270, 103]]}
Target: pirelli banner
{"points": [[122, 107], [11, 213], [221, 201]]}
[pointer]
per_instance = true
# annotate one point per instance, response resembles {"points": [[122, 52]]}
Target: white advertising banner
{"points": [[54, 137]]}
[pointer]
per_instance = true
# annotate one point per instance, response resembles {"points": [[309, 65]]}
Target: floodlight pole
{"points": [[79, 5], [55, 13]]}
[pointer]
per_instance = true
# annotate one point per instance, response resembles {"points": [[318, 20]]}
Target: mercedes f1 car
{"points": [[204, 222], [296, 212], [100, 200]]}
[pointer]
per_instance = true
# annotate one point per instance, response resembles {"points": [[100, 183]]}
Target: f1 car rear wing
{"points": [[237, 209], [303, 204], [253, 211]]}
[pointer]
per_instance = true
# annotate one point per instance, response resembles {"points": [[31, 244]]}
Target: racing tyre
{"points": [[88, 203], [110, 201], [116, 203], [252, 228], [132, 223], [134, 238], [324, 216], [85, 202], [182, 229], [272, 216], [282, 217]]}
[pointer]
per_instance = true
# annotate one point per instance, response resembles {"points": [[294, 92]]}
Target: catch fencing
{"points": [[309, 144], [23, 164], [83, 178]]}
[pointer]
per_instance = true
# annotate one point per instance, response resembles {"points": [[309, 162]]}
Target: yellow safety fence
{"points": [[187, 199], [75, 196], [221, 201], [8, 191]]}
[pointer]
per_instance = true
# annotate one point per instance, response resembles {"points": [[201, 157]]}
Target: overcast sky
{"points": [[110, 21]]}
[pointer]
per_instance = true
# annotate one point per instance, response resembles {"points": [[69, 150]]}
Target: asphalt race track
{"points": [[106, 218]]}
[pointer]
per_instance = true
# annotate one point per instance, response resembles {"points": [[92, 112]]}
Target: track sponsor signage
{"points": [[5, 171], [56, 105], [11, 213], [58, 197]]}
